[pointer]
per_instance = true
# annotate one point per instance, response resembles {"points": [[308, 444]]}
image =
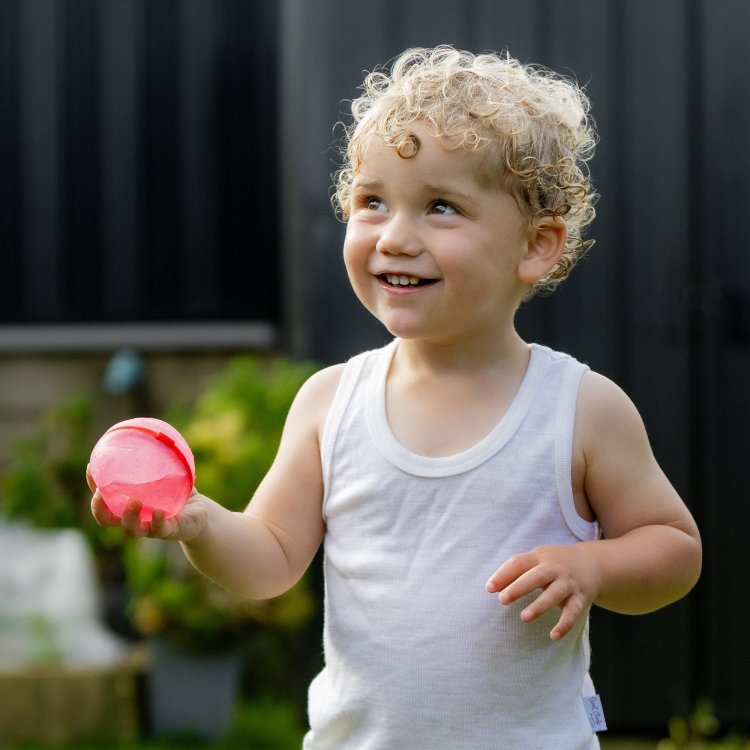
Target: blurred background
{"points": [[167, 246]]}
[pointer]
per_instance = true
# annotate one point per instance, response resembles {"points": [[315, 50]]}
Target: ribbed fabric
{"points": [[418, 655]]}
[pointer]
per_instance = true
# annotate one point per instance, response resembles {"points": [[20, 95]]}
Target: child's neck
{"points": [[436, 358], [442, 400]]}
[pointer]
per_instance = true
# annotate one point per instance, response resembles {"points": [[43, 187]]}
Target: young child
{"points": [[459, 465]]}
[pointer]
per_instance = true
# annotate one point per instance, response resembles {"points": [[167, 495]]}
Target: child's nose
{"points": [[399, 237]]}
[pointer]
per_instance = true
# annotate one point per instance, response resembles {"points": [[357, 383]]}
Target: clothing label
{"points": [[595, 712]]}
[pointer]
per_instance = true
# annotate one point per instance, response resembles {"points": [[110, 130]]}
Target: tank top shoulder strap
{"points": [[565, 415], [353, 371]]}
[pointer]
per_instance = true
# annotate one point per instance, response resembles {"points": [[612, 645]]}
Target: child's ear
{"points": [[546, 243]]}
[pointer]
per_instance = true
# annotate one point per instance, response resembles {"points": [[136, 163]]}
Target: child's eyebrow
{"points": [[442, 191], [361, 183], [448, 192]]}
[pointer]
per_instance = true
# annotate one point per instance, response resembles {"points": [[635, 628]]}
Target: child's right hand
{"points": [[182, 527]]}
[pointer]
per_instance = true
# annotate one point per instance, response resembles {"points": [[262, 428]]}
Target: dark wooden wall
{"points": [[662, 303], [138, 175]]}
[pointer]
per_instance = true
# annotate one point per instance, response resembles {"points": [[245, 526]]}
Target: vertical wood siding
{"points": [[138, 172]]}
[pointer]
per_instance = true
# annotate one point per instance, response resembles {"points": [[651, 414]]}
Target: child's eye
{"points": [[372, 203], [443, 208]]}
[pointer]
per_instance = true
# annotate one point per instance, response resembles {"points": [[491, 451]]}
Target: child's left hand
{"points": [[567, 575]]}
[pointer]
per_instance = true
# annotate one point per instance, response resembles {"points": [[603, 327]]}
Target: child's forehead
{"points": [[419, 150], [417, 143]]}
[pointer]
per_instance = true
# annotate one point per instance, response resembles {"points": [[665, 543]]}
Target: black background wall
{"points": [[138, 176]]}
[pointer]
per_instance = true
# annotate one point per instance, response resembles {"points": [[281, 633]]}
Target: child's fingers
{"points": [[102, 514], [184, 526], [131, 523], [536, 578], [556, 594], [552, 596], [562, 573], [161, 527], [511, 570], [90, 480], [571, 613]]}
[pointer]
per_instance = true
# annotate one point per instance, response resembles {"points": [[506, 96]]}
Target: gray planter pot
{"points": [[192, 693]]}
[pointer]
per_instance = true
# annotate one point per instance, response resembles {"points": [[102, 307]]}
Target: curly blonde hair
{"points": [[534, 123]]}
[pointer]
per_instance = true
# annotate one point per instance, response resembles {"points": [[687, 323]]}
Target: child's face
{"points": [[431, 250]]}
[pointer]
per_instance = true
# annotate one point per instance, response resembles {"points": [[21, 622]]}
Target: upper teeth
{"points": [[402, 280]]}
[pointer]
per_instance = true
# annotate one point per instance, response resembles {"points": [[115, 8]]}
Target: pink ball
{"points": [[145, 459]]}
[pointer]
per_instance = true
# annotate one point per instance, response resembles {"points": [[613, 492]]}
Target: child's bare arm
{"points": [[651, 554], [264, 550]]}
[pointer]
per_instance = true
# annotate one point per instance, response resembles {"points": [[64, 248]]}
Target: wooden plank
{"points": [[722, 362], [39, 57], [56, 705], [199, 60], [119, 67], [79, 189], [11, 260], [246, 133]]}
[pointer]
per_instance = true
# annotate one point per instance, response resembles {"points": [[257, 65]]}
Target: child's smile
{"points": [[431, 250], [402, 283]]}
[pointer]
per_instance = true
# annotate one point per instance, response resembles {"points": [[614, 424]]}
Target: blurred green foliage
{"points": [[701, 731], [233, 429], [44, 477], [44, 482]]}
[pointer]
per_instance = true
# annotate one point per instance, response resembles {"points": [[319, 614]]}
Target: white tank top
{"points": [[418, 655]]}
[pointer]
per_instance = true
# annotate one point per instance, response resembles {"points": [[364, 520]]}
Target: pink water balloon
{"points": [[145, 459]]}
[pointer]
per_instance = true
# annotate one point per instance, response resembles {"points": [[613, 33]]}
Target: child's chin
{"points": [[407, 332]]}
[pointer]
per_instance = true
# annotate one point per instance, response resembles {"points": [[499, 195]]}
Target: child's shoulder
{"points": [[314, 398], [609, 429], [322, 384], [602, 402], [320, 388]]}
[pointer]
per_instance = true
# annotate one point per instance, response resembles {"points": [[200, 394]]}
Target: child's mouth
{"points": [[400, 281]]}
